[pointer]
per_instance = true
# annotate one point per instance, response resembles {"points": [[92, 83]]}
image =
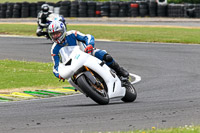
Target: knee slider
{"points": [[108, 58]]}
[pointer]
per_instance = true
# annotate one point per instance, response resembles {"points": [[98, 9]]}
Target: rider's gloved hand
{"points": [[61, 78], [89, 49]]}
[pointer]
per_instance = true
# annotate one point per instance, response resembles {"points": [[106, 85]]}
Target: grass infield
{"points": [[119, 33], [20, 74], [185, 129]]}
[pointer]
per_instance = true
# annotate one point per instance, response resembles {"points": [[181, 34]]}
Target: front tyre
{"points": [[100, 96], [131, 93]]}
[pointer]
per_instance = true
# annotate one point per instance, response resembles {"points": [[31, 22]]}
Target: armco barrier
{"points": [[101, 9]]}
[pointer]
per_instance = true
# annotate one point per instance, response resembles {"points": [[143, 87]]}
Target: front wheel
{"points": [[97, 94], [131, 93]]}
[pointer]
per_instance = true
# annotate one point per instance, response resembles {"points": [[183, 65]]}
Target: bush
{"points": [[184, 1]]}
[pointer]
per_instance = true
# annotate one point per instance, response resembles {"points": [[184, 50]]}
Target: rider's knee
{"points": [[107, 58]]}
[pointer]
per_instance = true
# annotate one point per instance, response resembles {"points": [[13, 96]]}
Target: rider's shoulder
{"points": [[72, 32], [56, 47]]}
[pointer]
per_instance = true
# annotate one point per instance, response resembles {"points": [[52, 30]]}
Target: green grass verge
{"points": [[18, 74], [119, 33], [185, 129]]}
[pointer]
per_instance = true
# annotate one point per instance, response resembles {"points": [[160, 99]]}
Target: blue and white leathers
{"points": [[74, 38]]}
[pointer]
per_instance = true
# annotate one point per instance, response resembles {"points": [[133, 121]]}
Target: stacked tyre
{"points": [[175, 10], [33, 10], [9, 11], [3, 10], [91, 9], [98, 9], [197, 10], [161, 10], [123, 6], [74, 9], [65, 8], [182, 10], [82, 11], [114, 9], [143, 9], [153, 9], [0, 11], [17, 10], [170, 11], [25, 10], [57, 7], [189, 10], [133, 9], [105, 9]]}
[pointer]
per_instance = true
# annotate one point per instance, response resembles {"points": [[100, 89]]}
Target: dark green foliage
{"points": [[184, 1]]}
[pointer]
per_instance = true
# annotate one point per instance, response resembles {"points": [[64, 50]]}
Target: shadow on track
{"points": [[89, 105]]}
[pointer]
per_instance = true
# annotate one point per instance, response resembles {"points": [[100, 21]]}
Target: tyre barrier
{"points": [[25, 10], [114, 9], [65, 8], [123, 12], [143, 9], [74, 9], [151, 8], [133, 10], [44, 93], [91, 9], [176, 10], [105, 9]]}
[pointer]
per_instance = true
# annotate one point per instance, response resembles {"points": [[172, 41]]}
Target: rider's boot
{"points": [[115, 66], [41, 33], [119, 70]]}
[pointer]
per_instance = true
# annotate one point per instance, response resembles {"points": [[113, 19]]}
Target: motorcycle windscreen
{"points": [[53, 17], [65, 53]]}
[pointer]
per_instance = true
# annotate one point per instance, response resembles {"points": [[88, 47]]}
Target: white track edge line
{"points": [[137, 78]]}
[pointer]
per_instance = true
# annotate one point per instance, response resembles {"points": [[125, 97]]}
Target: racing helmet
{"points": [[45, 7], [57, 31]]}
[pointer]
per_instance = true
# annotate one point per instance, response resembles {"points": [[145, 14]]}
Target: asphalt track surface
{"points": [[168, 94]]}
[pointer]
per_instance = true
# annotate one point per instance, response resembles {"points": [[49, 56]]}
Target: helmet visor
{"points": [[55, 35]]}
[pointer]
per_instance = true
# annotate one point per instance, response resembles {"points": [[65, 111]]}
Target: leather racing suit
{"points": [[42, 23], [74, 38]]}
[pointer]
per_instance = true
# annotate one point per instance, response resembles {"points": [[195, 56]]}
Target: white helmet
{"points": [[45, 7], [57, 31]]}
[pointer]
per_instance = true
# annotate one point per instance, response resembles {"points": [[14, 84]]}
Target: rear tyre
{"points": [[100, 96], [131, 93]]}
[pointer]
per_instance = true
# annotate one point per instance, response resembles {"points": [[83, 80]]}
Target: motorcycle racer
{"points": [[61, 38], [42, 20]]}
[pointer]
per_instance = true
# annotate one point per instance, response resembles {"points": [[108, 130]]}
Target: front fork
{"points": [[89, 75]]}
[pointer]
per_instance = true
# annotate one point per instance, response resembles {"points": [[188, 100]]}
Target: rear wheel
{"points": [[131, 93], [97, 93]]}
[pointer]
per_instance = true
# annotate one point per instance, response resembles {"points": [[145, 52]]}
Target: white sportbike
{"points": [[93, 77]]}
